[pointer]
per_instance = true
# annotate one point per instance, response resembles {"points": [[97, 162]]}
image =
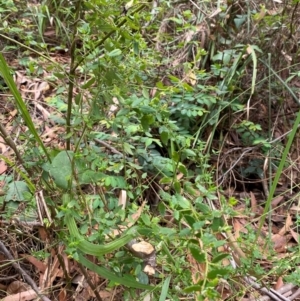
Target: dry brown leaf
{"points": [[43, 234], [37, 263], [3, 146], [24, 296], [238, 227], [253, 202], [279, 283], [3, 167], [276, 201], [295, 235], [280, 242], [17, 287], [295, 209], [287, 226], [62, 296]]}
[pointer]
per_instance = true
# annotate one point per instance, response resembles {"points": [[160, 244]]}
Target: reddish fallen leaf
{"points": [[279, 283], [37, 263], [276, 201], [43, 234], [62, 296], [287, 226], [281, 242], [295, 235], [3, 146], [3, 167]]}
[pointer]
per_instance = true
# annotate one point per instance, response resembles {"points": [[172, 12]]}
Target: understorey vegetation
{"points": [[149, 150]]}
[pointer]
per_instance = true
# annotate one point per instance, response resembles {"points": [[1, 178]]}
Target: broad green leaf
{"points": [[16, 191], [61, 169]]}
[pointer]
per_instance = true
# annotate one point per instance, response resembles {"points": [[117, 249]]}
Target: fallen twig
{"points": [[22, 272]]}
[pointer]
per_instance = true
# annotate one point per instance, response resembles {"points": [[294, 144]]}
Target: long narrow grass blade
{"points": [[111, 276], [92, 249], [5, 72], [284, 155], [165, 289]]}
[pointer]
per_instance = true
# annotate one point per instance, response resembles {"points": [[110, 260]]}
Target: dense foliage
{"points": [[136, 122]]}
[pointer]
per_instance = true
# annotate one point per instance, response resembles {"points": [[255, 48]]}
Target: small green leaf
{"points": [[193, 288], [165, 180], [164, 137], [145, 93], [175, 156], [218, 272], [128, 148], [115, 52], [145, 123], [78, 98], [189, 153], [196, 253], [174, 79], [88, 83], [220, 257], [177, 186], [182, 169], [183, 202]]}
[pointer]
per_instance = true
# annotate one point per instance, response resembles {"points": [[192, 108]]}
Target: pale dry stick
{"points": [[42, 207], [295, 295], [22, 272], [283, 291], [274, 295], [286, 288], [90, 283], [115, 151]]}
